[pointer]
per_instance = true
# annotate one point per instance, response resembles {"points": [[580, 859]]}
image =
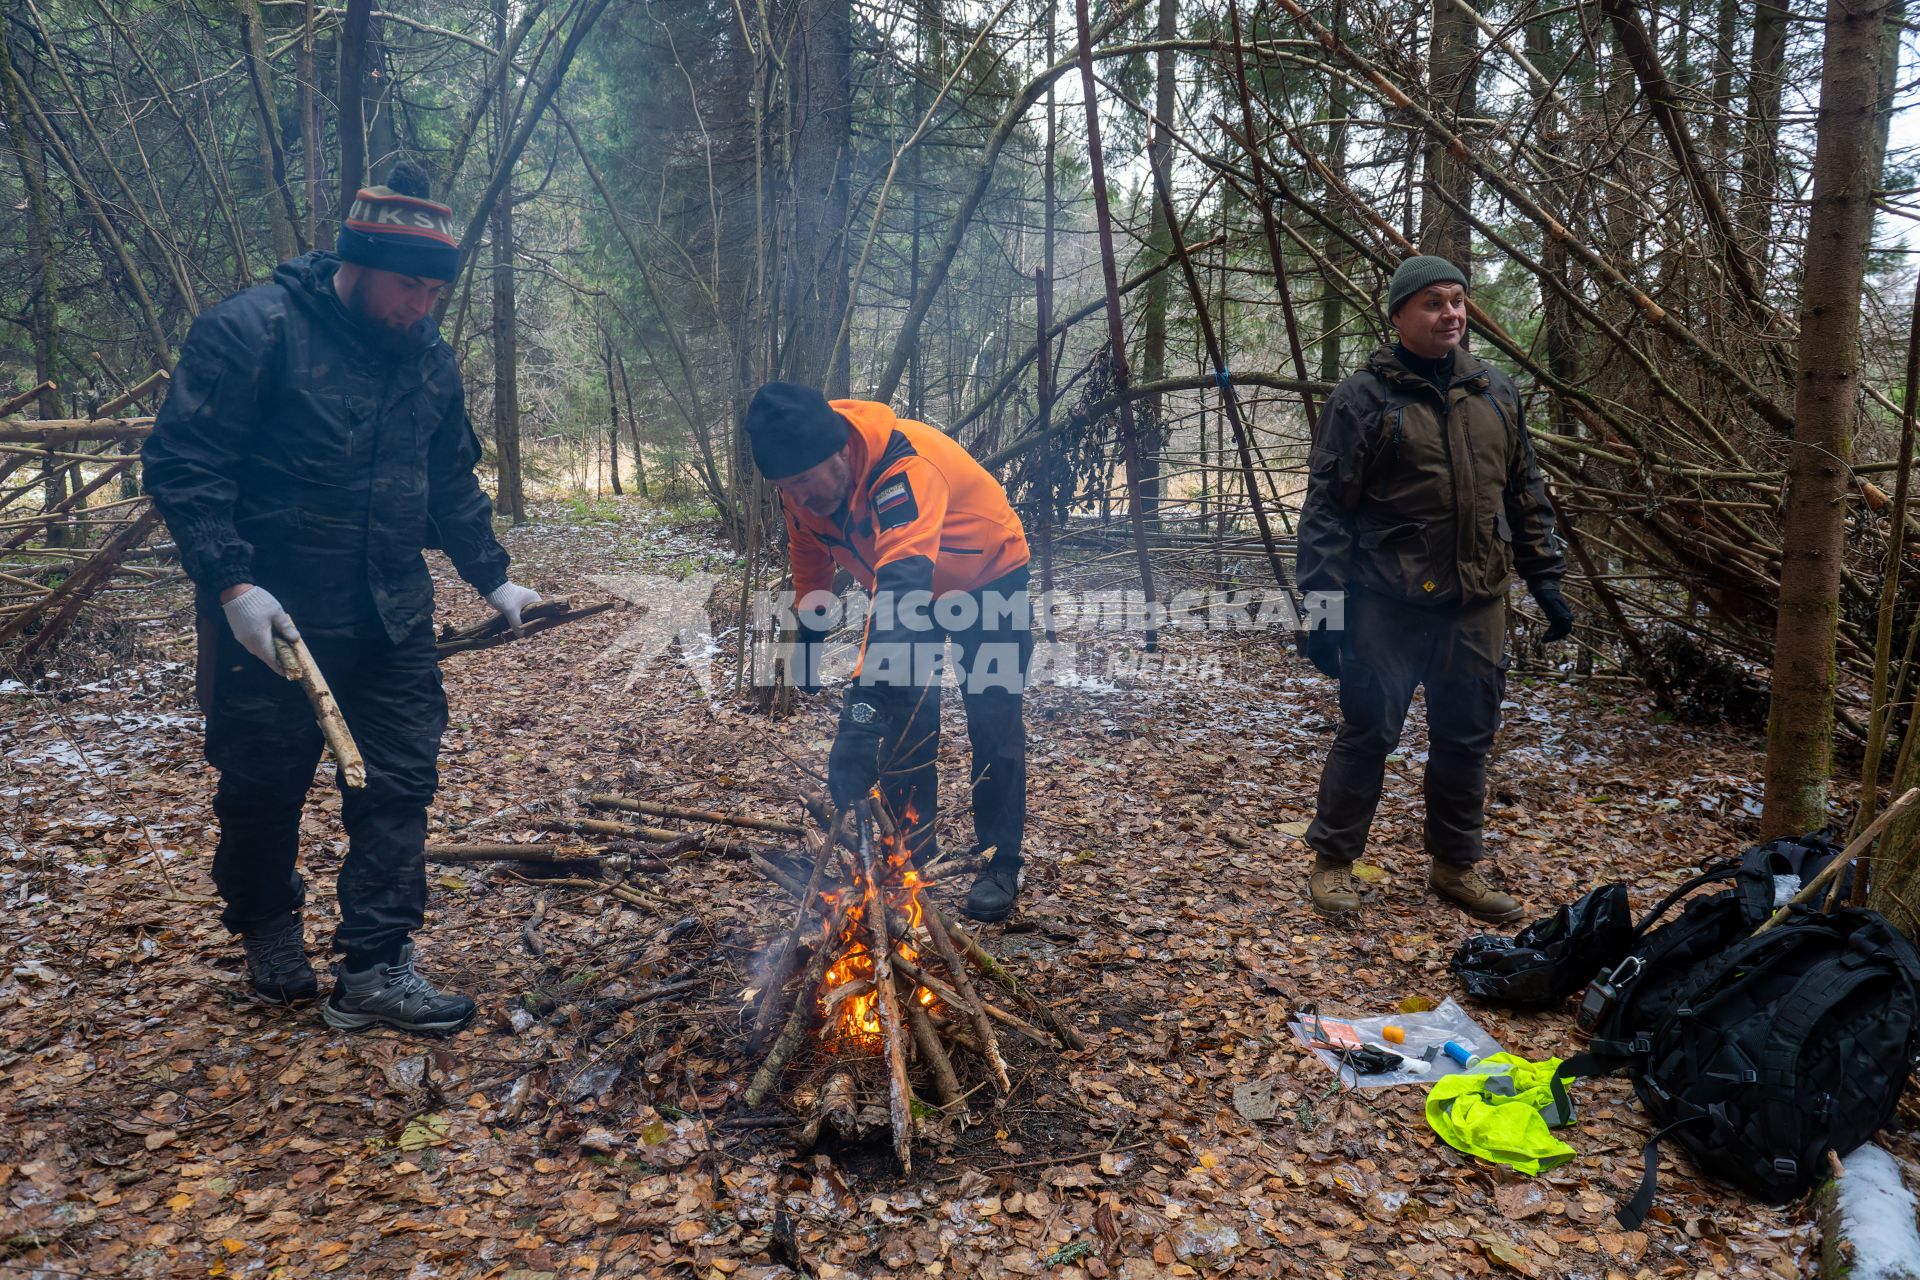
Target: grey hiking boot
{"points": [[1466, 887], [394, 996], [1332, 887], [277, 961]]}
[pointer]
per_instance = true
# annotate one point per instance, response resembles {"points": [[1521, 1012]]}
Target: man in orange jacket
{"points": [[920, 524]]}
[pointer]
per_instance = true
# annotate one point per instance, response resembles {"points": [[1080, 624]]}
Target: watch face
{"points": [[862, 712]]}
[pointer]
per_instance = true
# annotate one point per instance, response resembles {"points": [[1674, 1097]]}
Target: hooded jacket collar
{"points": [[308, 279], [1467, 368]]}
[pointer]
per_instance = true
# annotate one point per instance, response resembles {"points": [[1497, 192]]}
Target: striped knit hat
{"points": [[396, 228]]}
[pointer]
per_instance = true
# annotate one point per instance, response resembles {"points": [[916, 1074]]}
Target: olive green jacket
{"points": [[1424, 500]]}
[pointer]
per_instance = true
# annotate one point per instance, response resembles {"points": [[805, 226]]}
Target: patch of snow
{"points": [[1877, 1215]]}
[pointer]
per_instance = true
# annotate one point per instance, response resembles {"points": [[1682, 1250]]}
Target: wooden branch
{"points": [[16, 403], [65, 600], [800, 1020], [975, 1007], [880, 945], [789, 945], [1817, 887], [1068, 1034], [497, 630], [953, 998], [297, 661], [946, 1085], [607, 800], [52, 431]]}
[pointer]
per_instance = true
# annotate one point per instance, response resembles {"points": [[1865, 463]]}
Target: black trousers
{"points": [[991, 658], [262, 737], [1390, 649]]}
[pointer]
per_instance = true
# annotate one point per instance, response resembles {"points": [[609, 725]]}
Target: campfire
{"points": [[893, 1003], [887, 995]]}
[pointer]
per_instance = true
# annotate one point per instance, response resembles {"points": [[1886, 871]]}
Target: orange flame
{"points": [[858, 1017]]}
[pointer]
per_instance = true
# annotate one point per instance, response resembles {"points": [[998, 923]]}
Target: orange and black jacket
{"points": [[923, 515]]}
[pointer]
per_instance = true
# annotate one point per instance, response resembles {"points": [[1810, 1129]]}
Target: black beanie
{"points": [[792, 428], [396, 228]]}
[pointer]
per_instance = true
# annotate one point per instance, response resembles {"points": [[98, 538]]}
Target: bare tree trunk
{"points": [[43, 280], [310, 126], [1340, 103], [816, 262], [283, 218], [1846, 169], [1452, 63], [1759, 161], [506, 353], [352, 123], [633, 427], [1153, 321], [613, 414]]}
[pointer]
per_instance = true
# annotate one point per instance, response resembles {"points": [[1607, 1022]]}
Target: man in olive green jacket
{"points": [[1423, 498]]}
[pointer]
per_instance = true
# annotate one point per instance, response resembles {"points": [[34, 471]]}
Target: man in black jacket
{"points": [[315, 439], [1423, 497]]}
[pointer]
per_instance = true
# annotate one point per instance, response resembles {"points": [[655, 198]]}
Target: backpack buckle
{"points": [[1785, 1167], [1640, 1044]]}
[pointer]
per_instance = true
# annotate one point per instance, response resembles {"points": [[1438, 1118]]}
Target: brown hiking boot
{"points": [[1332, 888], [1466, 887]]}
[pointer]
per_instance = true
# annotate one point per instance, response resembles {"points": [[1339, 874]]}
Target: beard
{"points": [[388, 339]]}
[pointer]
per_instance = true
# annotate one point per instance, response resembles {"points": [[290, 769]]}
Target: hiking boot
{"points": [[277, 962], [1467, 888], [1332, 887], [394, 996], [994, 890]]}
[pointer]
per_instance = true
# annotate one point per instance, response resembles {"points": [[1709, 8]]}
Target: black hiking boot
{"points": [[394, 996], [994, 890], [277, 964]]}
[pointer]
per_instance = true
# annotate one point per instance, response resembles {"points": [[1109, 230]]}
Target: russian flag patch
{"points": [[893, 504]]}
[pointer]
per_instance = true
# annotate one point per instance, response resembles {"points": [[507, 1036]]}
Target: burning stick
{"points": [[764, 1014], [799, 1021], [989, 1043], [899, 1096], [949, 996], [297, 661], [946, 1085]]}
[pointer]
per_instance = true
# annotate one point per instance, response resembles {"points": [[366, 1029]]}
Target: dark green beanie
{"points": [[1415, 274]]}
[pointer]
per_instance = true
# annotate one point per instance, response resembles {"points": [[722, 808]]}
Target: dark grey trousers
{"points": [[1388, 651]]}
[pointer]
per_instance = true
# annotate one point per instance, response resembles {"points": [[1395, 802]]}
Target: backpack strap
{"points": [[1714, 876], [1631, 1212]]}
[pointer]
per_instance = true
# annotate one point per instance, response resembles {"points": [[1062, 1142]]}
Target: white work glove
{"points": [[509, 598], [255, 616]]}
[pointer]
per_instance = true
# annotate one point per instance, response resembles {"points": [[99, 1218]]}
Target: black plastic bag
{"points": [[1550, 959]]}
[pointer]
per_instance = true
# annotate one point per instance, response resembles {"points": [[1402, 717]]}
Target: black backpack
{"points": [[1550, 959], [1783, 1047], [1636, 993]]}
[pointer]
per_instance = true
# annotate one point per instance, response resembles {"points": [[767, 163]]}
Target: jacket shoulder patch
{"points": [[893, 504]]}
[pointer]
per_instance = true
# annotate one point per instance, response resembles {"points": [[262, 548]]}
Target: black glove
{"points": [[853, 766], [1559, 613], [809, 646], [1322, 649]]}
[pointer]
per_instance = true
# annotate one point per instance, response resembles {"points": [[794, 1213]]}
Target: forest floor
{"points": [[155, 1121]]}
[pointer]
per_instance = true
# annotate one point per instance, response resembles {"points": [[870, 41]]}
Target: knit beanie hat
{"points": [[1417, 273], [792, 428], [396, 228]]}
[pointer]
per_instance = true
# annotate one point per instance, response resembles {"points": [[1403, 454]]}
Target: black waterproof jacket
{"points": [[299, 450], [1427, 497]]}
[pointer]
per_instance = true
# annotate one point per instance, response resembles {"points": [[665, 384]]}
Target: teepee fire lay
{"points": [[887, 993]]}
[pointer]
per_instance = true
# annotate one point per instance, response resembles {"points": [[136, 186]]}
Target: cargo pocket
{"points": [[1396, 559]]}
